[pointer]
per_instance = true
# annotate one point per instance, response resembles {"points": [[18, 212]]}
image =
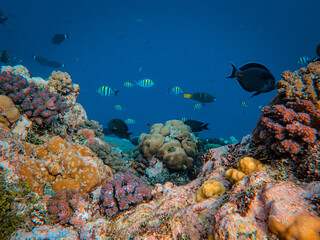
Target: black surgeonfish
{"points": [[3, 19], [118, 128], [5, 56], [48, 63], [196, 126], [254, 77], [201, 97], [59, 38]]}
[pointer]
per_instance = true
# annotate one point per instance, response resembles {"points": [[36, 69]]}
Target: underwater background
{"points": [[184, 43]]}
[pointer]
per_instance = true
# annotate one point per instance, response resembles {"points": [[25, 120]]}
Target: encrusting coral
{"points": [[66, 166]]}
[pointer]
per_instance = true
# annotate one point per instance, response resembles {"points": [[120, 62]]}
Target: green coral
{"points": [[10, 221]]}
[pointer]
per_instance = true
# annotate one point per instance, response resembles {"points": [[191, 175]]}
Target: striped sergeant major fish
{"points": [[146, 83], [175, 90], [107, 91], [304, 60]]}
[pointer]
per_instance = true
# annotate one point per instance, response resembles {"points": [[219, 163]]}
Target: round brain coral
{"points": [[173, 143]]}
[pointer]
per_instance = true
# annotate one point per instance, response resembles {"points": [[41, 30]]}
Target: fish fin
{"points": [[205, 126], [169, 90], [234, 72], [255, 94], [253, 65], [187, 95], [116, 92]]}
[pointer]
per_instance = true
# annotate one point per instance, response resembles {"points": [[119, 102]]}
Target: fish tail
{"points": [[234, 72], [116, 92], [205, 126], [187, 95], [255, 94]]}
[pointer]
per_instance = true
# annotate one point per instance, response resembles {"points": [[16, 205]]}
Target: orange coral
{"points": [[8, 112], [303, 84], [66, 166], [301, 227]]}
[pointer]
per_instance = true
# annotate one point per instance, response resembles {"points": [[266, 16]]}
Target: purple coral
{"points": [[122, 192], [40, 105], [69, 207]]}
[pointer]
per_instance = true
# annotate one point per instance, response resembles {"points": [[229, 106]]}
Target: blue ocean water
{"points": [[186, 43]]}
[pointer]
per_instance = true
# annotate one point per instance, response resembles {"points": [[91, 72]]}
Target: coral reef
{"points": [[210, 189], [39, 105], [69, 207], [173, 143], [122, 192], [61, 83], [290, 127], [66, 166], [9, 114]]}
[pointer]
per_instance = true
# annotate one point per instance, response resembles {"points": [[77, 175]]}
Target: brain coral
{"points": [[173, 143], [66, 166]]}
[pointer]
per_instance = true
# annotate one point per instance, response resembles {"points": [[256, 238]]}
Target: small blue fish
{"points": [[128, 84], [197, 106], [146, 83], [175, 90], [130, 121], [107, 91], [303, 60], [118, 107]]}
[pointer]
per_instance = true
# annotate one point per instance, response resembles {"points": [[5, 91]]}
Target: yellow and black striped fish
{"points": [[107, 91], [146, 83], [175, 90]]}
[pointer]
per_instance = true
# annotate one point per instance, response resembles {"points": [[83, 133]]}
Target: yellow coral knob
{"points": [[210, 189], [249, 165], [234, 175]]}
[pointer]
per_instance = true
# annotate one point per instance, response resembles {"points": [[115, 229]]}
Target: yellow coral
{"points": [[210, 189], [301, 227], [9, 114], [67, 167], [249, 165], [234, 175]]}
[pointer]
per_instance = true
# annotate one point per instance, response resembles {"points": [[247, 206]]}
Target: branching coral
{"points": [[39, 105]]}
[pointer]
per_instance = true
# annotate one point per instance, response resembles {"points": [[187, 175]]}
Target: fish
{"points": [[5, 56], [48, 63], [304, 60], [3, 19], [183, 119], [243, 104], [146, 83], [107, 91], [175, 90], [128, 84], [318, 50], [59, 38], [118, 107], [197, 106], [254, 77], [118, 128], [196, 126], [130, 121], [201, 97]]}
